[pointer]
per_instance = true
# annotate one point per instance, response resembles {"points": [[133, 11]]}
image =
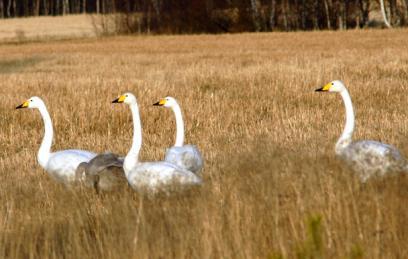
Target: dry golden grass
{"points": [[46, 27], [249, 104]]}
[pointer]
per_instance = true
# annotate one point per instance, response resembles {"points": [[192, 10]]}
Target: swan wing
{"points": [[187, 157], [373, 158], [156, 175], [62, 165], [103, 161]]}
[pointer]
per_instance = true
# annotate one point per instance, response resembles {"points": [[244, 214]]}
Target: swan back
{"points": [[156, 176], [187, 157], [62, 165], [103, 172], [371, 158]]}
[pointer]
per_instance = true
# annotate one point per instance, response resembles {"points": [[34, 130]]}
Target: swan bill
{"points": [[23, 105], [325, 88], [160, 103], [120, 99]]}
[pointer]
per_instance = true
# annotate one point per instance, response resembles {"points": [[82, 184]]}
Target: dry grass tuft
{"points": [[273, 187]]}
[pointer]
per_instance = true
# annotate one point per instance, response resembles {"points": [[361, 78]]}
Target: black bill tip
{"points": [[156, 104], [116, 100], [319, 89], [20, 106]]}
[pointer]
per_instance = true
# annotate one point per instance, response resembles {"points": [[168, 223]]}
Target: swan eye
{"points": [[126, 95], [31, 100], [332, 83]]}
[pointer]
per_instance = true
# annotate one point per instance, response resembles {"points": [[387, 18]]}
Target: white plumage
{"points": [[150, 176], [60, 165], [367, 158], [185, 156]]}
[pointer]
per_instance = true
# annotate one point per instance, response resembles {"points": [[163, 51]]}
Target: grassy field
{"points": [[48, 28], [273, 187]]}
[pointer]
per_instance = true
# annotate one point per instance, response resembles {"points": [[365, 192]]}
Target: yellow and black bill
{"points": [[160, 103], [23, 105], [120, 99], [324, 88]]}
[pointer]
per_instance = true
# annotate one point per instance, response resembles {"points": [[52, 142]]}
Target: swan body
{"points": [[366, 157], [184, 156], [160, 175], [60, 165], [103, 172], [187, 156], [150, 176]]}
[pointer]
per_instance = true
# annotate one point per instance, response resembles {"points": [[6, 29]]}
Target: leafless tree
{"points": [[327, 7], [384, 14], [272, 15], [1, 9]]}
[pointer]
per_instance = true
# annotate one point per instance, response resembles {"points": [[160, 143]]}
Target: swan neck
{"points": [[346, 137], [45, 148], [132, 156], [179, 125]]}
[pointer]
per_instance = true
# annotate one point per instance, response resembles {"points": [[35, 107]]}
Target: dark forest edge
{"points": [[195, 16]]}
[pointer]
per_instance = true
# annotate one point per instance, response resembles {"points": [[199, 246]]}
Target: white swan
{"points": [[150, 176], [185, 156], [367, 158], [60, 165]]}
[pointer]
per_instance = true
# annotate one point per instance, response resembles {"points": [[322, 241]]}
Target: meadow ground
{"points": [[273, 187], [48, 27]]}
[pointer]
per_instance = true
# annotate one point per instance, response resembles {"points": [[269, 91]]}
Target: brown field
{"points": [[273, 187], [48, 28]]}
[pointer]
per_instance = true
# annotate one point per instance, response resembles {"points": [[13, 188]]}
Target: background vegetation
{"points": [[192, 16], [273, 188]]}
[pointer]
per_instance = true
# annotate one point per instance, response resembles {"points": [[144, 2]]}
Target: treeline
{"points": [[187, 16]]}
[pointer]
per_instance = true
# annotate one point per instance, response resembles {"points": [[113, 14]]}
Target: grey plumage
{"points": [[371, 158], [187, 157], [103, 172]]}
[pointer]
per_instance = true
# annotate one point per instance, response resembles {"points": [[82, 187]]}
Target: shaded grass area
{"points": [[253, 197], [19, 65]]}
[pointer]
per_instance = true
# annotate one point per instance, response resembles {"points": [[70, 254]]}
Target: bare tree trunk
{"points": [[36, 8], [255, 15], [364, 6], [405, 7], [157, 7], [98, 6], [340, 16], [1, 9], [14, 7], [45, 7], [327, 10], [84, 6], [272, 15], [8, 8], [285, 15], [148, 20], [57, 7], [315, 16], [113, 6], [65, 7], [384, 14], [303, 15], [394, 16]]}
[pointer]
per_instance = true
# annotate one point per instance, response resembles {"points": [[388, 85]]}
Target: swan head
{"points": [[336, 86], [166, 102], [33, 102], [127, 98]]}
